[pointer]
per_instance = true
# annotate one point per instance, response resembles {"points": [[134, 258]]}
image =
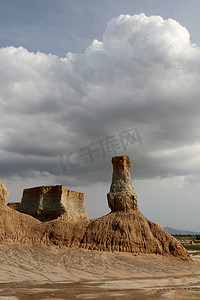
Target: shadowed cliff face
{"points": [[122, 196]]}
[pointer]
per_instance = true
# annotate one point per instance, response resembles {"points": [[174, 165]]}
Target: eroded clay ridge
{"points": [[123, 229]]}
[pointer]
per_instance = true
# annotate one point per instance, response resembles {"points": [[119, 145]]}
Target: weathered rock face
{"points": [[49, 202], [124, 229], [3, 193], [122, 196], [131, 232], [13, 205]]}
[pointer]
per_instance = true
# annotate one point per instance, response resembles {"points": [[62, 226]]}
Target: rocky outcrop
{"points": [[49, 202], [13, 205], [3, 194], [122, 196], [131, 232], [125, 229]]}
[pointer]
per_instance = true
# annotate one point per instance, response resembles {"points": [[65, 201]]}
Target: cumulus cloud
{"points": [[144, 74]]}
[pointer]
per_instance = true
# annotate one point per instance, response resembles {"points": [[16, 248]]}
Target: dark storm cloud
{"points": [[144, 74]]}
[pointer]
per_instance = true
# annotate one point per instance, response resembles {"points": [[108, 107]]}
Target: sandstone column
{"points": [[122, 196]]}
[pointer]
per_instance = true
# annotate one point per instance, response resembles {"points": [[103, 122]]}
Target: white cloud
{"points": [[144, 73]]}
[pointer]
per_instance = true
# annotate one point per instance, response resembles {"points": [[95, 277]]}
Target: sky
{"points": [[83, 81]]}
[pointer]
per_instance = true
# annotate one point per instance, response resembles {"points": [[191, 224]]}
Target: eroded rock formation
{"points": [[49, 202], [131, 232], [122, 196], [124, 229], [13, 205], [3, 193]]}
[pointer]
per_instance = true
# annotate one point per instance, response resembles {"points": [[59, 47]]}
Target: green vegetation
{"points": [[190, 243], [195, 253], [192, 247]]}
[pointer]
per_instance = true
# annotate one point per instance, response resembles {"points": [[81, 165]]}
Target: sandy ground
{"points": [[50, 273]]}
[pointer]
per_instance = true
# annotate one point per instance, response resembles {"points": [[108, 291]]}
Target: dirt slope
{"points": [[30, 272]]}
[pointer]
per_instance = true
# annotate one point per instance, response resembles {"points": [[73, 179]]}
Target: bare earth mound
{"points": [[125, 229], [131, 232], [50, 259], [120, 231]]}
